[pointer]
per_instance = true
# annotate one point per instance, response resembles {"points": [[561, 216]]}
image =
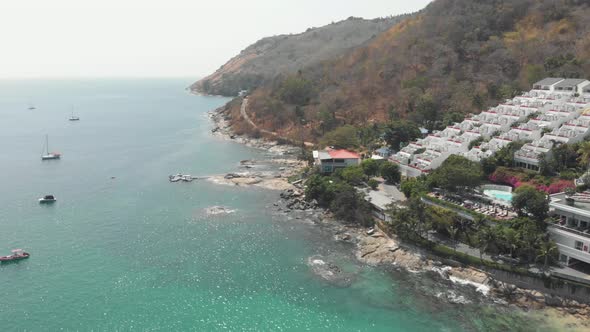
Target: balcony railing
{"points": [[569, 230]]}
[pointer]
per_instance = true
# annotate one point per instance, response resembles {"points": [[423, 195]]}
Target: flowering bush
{"points": [[516, 179]]}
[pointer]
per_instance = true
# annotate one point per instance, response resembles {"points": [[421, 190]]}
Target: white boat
{"points": [[47, 199], [45, 154], [175, 178], [187, 178], [181, 177], [74, 117]]}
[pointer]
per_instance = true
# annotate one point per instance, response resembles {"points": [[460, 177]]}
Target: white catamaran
{"points": [[45, 154]]}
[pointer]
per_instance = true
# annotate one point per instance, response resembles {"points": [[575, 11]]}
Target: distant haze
{"points": [[156, 38]]}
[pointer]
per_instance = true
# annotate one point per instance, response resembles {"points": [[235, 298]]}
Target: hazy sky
{"points": [[128, 38]]}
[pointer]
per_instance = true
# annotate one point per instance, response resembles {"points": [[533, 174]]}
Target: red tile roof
{"points": [[343, 154]]}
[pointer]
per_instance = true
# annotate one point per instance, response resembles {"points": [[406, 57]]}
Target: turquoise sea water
{"points": [[139, 253]]}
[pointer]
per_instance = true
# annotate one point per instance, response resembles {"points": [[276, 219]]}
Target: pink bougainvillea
{"points": [[506, 176]]}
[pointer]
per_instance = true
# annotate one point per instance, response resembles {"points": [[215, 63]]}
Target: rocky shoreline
{"points": [[374, 247]]}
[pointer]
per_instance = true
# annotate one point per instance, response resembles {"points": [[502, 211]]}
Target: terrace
{"points": [[476, 203], [477, 154]]}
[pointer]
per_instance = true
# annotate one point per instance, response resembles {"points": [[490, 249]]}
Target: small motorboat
{"points": [[17, 254], [175, 178], [47, 199], [187, 178]]}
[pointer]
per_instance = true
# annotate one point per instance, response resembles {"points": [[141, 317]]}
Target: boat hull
{"points": [[54, 157], [12, 258], [47, 201]]}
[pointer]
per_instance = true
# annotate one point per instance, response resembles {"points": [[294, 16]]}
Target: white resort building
{"points": [[571, 231], [555, 111]]}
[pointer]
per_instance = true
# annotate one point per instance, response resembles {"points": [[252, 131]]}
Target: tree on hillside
{"points": [[584, 152], [510, 239], [390, 172], [370, 167], [528, 201], [457, 173], [351, 207], [485, 238], [413, 187], [344, 137], [400, 132], [296, 90], [547, 251], [352, 175], [451, 118], [565, 156]]}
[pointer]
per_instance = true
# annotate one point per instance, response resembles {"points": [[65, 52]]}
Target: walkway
{"points": [[244, 114], [460, 247]]}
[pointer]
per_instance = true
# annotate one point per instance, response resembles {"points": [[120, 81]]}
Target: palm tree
{"points": [[584, 153], [485, 238], [547, 251], [510, 239], [453, 231]]}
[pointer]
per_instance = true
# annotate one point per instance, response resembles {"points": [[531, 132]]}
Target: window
{"points": [[338, 160], [579, 245], [563, 258]]}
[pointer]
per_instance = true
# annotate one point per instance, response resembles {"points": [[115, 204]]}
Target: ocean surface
{"points": [[124, 249]]}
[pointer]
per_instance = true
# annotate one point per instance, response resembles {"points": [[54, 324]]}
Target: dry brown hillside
{"points": [[456, 56], [261, 62]]}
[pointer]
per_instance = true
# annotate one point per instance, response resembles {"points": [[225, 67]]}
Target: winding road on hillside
{"points": [[246, 117]]}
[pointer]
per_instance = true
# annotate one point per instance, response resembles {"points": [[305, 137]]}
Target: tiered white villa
{"points": [[555, 111]]}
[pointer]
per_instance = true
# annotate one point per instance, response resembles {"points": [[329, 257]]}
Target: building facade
{"points": [[571, 231], [330, 160], [555, 111]]}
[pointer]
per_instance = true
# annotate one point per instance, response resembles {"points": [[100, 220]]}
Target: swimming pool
{"points": [[499, 194]]}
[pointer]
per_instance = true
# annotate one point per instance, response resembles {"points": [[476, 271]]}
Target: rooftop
{"points": [[581, 202], [570, 82], [335, 154], [549, 81]]}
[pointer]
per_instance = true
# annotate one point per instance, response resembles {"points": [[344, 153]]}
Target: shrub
{"points": [[373, 184], [390, 172]]}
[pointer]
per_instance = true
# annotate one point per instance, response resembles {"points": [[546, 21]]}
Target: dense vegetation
{"points": [[521, 239], [261, 62], [337, 192], [454, 57]]}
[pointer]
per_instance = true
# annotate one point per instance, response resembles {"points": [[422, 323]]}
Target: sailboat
{"points": [[45, 154], [74, 117]]}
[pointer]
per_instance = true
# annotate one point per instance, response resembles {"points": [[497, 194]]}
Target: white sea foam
{"points": [[478, 287], [218, 210]]}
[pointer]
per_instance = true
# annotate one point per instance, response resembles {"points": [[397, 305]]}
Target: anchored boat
{"points": [[17, 254], [45, 154], [74, 117], [47, 199]]}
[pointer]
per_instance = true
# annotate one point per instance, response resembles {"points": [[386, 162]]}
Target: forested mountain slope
{"points": [[454, 57], [262, 61]]}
